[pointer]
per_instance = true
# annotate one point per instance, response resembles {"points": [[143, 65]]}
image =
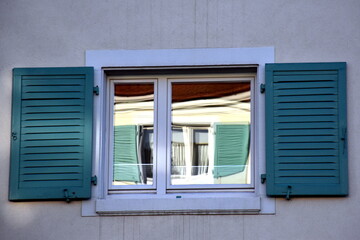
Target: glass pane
{"points": [[133, 134], [210, 133]]}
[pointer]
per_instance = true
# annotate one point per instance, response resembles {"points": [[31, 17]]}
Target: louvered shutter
{"points": [[126, 161], [231, 148], [51, 149], [306, 150]]}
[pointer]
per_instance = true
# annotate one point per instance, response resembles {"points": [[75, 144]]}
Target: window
{"points": [[176, 165], [163, 132], [190, 132]]}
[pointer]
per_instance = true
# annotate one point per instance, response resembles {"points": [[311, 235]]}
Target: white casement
{"points": [[180, 149], [170, 191]]}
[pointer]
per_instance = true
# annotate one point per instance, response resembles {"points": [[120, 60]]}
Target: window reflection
{"points": [[210, 133], [133, 134]]}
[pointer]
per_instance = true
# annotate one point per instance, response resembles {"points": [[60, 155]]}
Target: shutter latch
{"points": [[343, 138], [96, 90], [94, 180], [66, 195], [288, 193], [263, 178], [262, 87]]}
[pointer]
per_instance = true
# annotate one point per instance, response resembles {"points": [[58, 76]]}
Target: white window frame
{"points": [[209, 78], [102, 203], [110, 139]]}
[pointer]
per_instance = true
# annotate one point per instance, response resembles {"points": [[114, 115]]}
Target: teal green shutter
{"points": [[51, 146], [126, 161], [231, 148], [306, 151]]}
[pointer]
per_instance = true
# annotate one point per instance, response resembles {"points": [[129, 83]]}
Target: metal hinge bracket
{"points": [[263, 178], [96, 90], [262, 87], [94, 180]]}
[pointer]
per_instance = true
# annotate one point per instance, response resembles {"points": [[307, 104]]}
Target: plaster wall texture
{"points": [[43, 33]]}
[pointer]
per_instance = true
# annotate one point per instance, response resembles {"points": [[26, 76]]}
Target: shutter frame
{"points": [[305, 185], [54, 188]]}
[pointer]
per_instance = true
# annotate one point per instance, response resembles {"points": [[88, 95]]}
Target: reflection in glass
{"points": [[210, 133], [133, 134]]}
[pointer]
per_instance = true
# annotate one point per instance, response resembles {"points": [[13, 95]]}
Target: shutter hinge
{"points": [[262, 87], [14, 135], [96, 90], [263, 178], [94, 180]]}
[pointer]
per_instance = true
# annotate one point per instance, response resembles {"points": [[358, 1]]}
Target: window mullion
{"points": [[162, 143]]}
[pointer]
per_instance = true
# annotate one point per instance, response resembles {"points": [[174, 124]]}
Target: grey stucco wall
{"points": [[44, 33]]}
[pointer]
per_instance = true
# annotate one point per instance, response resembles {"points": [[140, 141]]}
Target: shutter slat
{"points": [[53, 163], [52, 88], [306, 172], [306, 139], [46, 177], [315, 166], [42, 143], [53, 123], [52, 129], [51, 170], [304, 105], [53, 116], [306, 159], [305, 98], [305, 132], [53, 109], [45, 76], [305, 152], [58, 149], [53, 156], [304, 92], [302, 119], [54, 82], [305, 128], [304, 85], [53, 102], [294, 72], [53, 135], [306, 125], [297, 145], [304, 78], [320, 180], [56, 95], [306, 112]]}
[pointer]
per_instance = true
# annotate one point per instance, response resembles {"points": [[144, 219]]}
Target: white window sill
{"points": [[164, 206], [169, 204]]}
